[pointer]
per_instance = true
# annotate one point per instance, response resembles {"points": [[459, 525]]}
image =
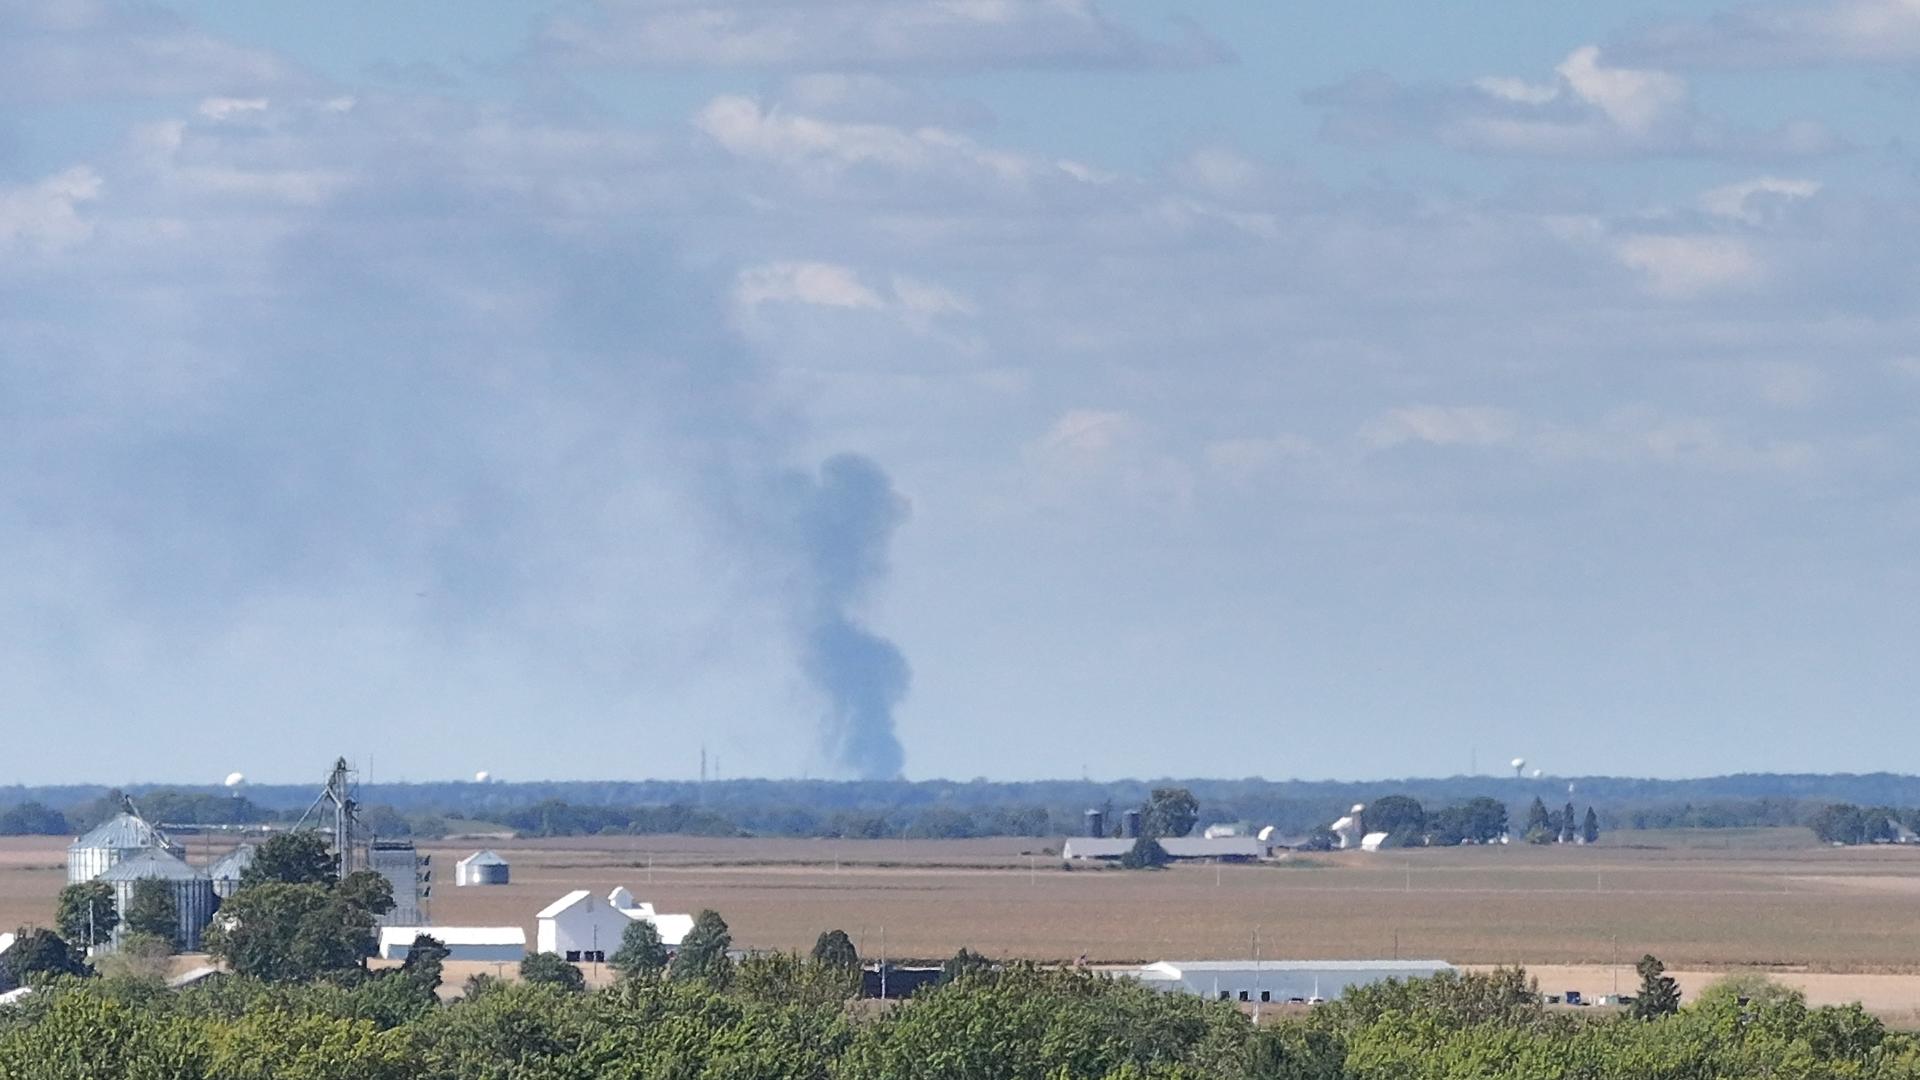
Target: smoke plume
{"points": [[848, 515]]}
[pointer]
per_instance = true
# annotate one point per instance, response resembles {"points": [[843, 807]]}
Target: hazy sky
{"points": [[1236, 389]]}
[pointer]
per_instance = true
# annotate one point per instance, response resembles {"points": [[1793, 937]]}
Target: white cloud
{"points": [[1630, 436], [1592, 108], [1088, 434], [1681, 266], [1749, 200], [46, 215], [818, 283], [226, 108], [864, 35], [1810, 33]]}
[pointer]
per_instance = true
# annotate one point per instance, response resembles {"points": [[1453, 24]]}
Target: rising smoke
{"points": [[441, 445], [848, 515]]}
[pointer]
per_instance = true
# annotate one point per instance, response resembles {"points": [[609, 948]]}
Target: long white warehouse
{"points": [[1280, 980], [492, 944]]}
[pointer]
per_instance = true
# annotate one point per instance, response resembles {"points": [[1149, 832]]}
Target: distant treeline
{"points": [[944, 808]]}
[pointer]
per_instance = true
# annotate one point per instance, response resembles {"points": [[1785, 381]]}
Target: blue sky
{"points": [[975, 387]]}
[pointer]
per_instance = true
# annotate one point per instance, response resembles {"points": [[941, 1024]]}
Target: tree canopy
{"points": [[86, 913], [703, 952], [552, 969], [835, 949], [641, 954], [1170, 811], [293, 858], [153, 910]]}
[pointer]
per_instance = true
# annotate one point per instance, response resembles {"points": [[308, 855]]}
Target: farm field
{"points": [[1702, 902]]}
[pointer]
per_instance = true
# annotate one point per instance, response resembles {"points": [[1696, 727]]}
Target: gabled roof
{"points": [[673, 929], [120, 831], [483, 858], [151, 863], [554, 909]]}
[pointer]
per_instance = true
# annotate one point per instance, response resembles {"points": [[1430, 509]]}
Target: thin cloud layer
{"points": [[867, 35], [93, 50], [1810, 33]]}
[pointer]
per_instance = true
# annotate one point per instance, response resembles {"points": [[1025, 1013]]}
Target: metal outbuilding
{"points": [[481, 868], [1225, 848], [192, 892], [1276, 981], [491, 944]]}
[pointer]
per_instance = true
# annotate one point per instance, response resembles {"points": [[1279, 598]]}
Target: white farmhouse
{"points": [[584, 928]]}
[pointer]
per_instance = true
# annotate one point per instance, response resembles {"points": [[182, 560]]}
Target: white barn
{"points": [[584, 928], [490, 944], [1279, 980]]}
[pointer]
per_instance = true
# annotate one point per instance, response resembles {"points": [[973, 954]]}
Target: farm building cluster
{"points": [[1216, 843]]}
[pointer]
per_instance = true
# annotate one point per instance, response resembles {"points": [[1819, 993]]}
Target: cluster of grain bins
{"points": [[125, 850]]}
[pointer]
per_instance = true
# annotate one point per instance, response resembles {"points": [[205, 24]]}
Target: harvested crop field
{"points": [[1702, 902]]}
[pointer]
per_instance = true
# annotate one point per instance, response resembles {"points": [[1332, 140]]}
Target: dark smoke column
{"points": [[847, 518]]}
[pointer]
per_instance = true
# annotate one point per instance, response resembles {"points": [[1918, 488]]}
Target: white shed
{"points": [[491, 944], [585, 928]]}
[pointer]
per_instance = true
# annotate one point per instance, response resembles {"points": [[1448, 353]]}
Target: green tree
{"points": [[153, 910], [426, 961], [39, 953], [1659, 994], [85, 913], [641, 954], [1590, 828], [552, 969], [293, 858], [1145, 854], [34, 819], [1402, 818], [1170, 811], [834, 949], [1540, 828], [703, 952], [367, 890], [291, 933], [1839, 823], [964, 964], [1567, 824]]}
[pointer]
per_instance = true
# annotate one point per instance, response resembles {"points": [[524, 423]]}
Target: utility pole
{"points": [[883, 963]]}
